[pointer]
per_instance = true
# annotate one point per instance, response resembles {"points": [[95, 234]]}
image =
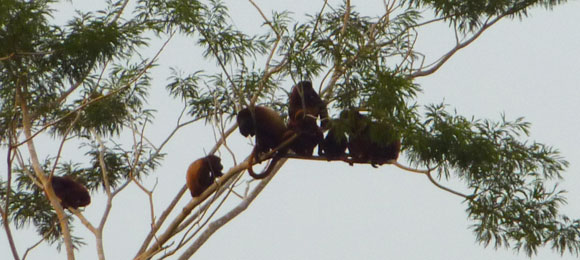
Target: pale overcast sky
{"points": [[319, 210]]}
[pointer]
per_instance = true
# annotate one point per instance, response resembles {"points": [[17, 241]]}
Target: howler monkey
{"points": [[334, 144], [309, 134], [304, 97], [363, 147], [270, 131], [71, 193], [202, 173]]}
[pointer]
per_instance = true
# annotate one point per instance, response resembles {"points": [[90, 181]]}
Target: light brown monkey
{"points": [[202, 173]]}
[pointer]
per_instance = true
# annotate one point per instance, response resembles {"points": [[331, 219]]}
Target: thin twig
{"points": [[428, 174], [5, 213], [436, 65], [28, 250]]}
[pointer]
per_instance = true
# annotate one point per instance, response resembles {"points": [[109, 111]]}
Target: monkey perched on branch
{"points": [[305, 98], [309, 134], [270, 131], [202, 173], [334, 145], [71, 193], [363, 147]]}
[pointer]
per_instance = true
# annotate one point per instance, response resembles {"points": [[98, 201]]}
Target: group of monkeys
{"points": [[301, 135]]}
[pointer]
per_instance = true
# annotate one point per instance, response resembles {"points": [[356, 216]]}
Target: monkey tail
{"points": [[266, 172]]}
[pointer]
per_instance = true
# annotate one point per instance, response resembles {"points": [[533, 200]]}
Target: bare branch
{"points": [[61, 146], [5, 213], [434, 67], [428, 174], [28, 250], [217, 224], [9, 233]]}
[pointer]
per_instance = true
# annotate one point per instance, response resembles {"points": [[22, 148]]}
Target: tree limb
{"points": [[217, 224]]}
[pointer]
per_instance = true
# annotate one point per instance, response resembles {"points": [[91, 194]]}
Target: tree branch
{"points": [[5, 212], [40, 174], [428, 174], [459, 46], [217, 224]]}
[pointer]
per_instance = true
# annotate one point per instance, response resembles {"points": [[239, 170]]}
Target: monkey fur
{"points": [[304, 97], [71, 193], [309, 134], [334, 145], [202, 173], [362, 148], [270, 131]]}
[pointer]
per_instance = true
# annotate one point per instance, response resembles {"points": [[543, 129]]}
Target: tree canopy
{"points": [[87, 83]]}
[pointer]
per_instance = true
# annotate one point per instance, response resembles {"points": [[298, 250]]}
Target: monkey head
{"points": [[215, 165], [246, 122]]}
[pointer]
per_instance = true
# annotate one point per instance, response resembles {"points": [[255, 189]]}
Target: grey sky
{"points": [[319, 210]]}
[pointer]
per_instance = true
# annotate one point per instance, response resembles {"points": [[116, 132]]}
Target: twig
{"points": [[33, 247], [7, 57], [435, 66], [428, 174], [61, 146], [200, 215]]}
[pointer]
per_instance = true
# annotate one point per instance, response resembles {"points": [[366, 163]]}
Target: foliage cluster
{"points": [[86, 80]]}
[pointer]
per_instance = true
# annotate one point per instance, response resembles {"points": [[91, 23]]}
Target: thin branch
{"points": [[10, 56], [265, 19], [212, 214], [448, 55], [155, 227], [217, 224], [24, 168], [216, 55], [123, 6], [61, 146], [5, 212], [6, 225], [170, 230], [267, 73], [200, 213], [104, 171], [428, 174], [229, 183], [447, 189], [28, 250]]}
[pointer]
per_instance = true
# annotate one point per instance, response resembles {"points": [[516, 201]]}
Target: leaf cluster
{"points": [[510, 203], [470, 15], [29, 206]]}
